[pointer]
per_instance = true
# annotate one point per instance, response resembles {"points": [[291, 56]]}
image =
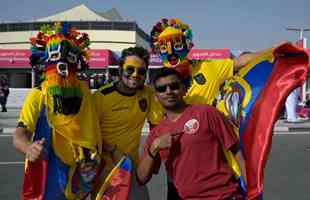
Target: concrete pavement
{"points": [[287, 172]]}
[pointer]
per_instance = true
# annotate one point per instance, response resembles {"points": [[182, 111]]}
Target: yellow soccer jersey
{"points": [[31, 109], [207, 78], [122, 117]]}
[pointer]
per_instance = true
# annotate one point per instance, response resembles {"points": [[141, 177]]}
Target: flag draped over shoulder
{"points": [[262, 87], [69, 165], [118, 183], [43, 178]]}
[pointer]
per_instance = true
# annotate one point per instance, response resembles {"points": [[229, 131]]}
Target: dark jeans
{"points": [[172, 192], [3, 103]]}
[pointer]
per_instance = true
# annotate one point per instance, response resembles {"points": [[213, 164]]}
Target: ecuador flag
{"points": [[118, 183], [254, 98]]}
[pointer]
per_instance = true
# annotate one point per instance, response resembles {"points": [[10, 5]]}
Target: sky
{"points": [[234, 24]]}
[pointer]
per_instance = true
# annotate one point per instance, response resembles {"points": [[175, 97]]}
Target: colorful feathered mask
{"points": [[172, 40], [183, 33], [60, 52], [60, 44]]}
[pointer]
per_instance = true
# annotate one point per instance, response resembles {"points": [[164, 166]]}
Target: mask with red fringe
{"points": [[61, 52]]}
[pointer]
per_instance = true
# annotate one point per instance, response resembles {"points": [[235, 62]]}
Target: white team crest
{"points": [[191, 126]]}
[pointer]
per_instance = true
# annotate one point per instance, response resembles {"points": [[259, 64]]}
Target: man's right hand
{"points": [[35, 150], [164, 141]]}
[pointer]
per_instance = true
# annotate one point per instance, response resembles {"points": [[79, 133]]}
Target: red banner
{"points": [[19, 58]]}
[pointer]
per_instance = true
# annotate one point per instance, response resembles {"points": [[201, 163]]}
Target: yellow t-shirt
{"points": [[31, 109], [207, 78], [122, 117]]}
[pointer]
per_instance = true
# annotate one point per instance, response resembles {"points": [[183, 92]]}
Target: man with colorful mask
{"points": [[171, 39], [57, 128], [122, 108]]}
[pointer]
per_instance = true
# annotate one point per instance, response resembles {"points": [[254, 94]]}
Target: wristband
{"points": [[150, 154]]}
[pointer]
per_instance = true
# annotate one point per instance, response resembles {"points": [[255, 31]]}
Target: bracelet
{"points": [[150, 154]]}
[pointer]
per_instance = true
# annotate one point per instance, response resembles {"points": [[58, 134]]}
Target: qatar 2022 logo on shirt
{"points": [[191, 126]]}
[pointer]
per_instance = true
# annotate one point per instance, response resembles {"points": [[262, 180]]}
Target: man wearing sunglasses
{"points": [[171, 39], [122, 108], [181, 139]]}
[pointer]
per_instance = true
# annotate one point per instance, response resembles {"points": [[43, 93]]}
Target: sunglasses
{"points": [[130, 70], [163, 88]]}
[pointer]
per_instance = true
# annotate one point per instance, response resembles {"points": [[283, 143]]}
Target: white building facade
{"points": [[107, 31]]}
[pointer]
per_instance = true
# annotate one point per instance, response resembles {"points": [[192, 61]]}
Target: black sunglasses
{"points": [[129, 70], [163, 88]]}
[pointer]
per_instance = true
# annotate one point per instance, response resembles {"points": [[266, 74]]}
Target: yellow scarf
{"points": [[74, 131]]}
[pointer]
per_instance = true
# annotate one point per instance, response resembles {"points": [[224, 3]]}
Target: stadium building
{"points": [[108, 31], [109, 34]]}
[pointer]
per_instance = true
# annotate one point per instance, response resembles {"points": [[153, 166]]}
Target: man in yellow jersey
{"points": [[172, 40], [57, 124], [122, 108]]}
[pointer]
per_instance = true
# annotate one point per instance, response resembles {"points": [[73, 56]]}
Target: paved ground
{"points": [[287, 173]]}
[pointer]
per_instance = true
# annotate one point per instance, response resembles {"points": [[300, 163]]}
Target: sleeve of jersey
{"points": [[156, 111], [222, 129], [31, 109], [224, 68]]}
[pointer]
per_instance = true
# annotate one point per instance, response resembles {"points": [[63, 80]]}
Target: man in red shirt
{"points": [[190, 140]]}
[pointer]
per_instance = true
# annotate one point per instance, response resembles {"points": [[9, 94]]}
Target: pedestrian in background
{"points": [[4, 92], [291, 104]]}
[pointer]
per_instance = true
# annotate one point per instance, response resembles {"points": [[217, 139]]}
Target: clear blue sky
{"points": [[234, 24]]}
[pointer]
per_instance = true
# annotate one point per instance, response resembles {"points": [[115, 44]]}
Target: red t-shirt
{"points": [[196, 162]]}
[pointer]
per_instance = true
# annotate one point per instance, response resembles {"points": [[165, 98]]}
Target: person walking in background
{"points": [[291, 104], [190, 140], [4, 92]]}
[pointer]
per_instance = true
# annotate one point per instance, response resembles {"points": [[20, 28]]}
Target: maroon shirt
{"points": [[196, 162]]}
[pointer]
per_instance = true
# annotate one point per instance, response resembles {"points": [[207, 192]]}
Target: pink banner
{"points": [[205, 54], [197, 54], [19, 58], [14, 58], [101, 58]]}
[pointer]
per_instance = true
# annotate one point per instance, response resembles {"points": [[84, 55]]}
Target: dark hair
{"points": [[166, 71], [135, 51]]}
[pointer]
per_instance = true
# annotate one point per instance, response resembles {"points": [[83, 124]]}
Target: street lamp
{"points": [[301, 31]]}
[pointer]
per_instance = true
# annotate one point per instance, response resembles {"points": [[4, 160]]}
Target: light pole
{"points": [[301, 31]]}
